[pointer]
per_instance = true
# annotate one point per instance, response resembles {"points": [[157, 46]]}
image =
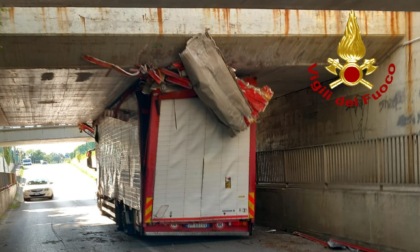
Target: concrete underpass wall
{"points": [[304, 118], [350, 172], [8, 184], [6, 198], [387, 219]]}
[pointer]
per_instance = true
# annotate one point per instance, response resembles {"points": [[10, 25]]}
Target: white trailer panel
{"points": [[201, 170]]}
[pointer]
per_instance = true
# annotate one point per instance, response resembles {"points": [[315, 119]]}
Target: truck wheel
{"points": [[118, 215]]}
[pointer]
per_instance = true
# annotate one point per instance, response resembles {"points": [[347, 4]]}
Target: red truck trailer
{"points": [[167, 166]]}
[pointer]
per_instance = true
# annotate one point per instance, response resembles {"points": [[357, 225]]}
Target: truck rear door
{"points": [[202, 172]]}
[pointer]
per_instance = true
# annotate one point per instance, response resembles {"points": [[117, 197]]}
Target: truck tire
{"points": [[119, 215]]}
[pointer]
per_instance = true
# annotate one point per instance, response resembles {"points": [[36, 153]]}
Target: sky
{"points": [[52, 147]]}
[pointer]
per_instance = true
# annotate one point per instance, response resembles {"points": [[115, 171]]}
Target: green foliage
{"points": [[54, 158], [79, 153], [82, 149], [37, 156], [7, 154]]}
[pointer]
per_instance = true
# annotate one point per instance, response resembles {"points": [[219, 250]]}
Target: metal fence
{"points": [[391, 160], [6, 180]]}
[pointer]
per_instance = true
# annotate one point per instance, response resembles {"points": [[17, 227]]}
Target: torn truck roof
{"points": [[236, 102]]}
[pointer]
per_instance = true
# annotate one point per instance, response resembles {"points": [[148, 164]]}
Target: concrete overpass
{"points": [[44, 80], [37, 135], [403, 5]]}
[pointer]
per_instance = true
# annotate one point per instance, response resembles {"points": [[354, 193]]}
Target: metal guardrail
{"points": [[7, 180], [390, 160]]}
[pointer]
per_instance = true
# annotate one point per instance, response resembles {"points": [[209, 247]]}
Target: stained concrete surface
{"points": [[6, 198], [387, 221]]}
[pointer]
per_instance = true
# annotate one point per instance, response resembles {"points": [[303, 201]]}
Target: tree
{"points": [[82, 149], [36, 155], [55, 158], [7, 154], [79, 157]]}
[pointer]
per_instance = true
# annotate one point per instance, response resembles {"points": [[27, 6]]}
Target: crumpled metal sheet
{"points": [[214, 83], [118, 157]]}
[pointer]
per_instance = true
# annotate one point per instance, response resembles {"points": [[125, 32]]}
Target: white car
{"points": [[26, 161], [38, 188]]}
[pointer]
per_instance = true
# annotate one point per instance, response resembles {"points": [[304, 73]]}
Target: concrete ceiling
{"points": [[388, 5]]}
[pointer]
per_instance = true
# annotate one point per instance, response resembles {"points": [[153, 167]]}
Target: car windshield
{"points": [[37, 182], [26, 160]]}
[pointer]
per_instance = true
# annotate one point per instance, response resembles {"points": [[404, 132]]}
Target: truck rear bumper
{"points": [[237, 228], [197, 233]]}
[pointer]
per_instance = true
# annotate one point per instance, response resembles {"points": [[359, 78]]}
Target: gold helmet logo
{"points": [[351, 49]]}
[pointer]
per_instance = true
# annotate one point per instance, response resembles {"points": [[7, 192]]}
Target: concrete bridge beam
{"points": [[32, 135]]}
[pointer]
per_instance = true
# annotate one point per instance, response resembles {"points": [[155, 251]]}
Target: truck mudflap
{"points": [[222, 228]]}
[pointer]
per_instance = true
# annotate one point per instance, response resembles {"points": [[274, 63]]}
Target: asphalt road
{"points": [[72, 222]]}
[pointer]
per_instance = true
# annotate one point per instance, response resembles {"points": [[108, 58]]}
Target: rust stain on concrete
{"points": [[83, 19], [365, 19], [395, 28], [12, 15], [62, 19], [160, 20], [276, 20], [397, 21], [150, 12], [226, 17], [409, 51], [216, 13], [286, 22], [298, 20], [324, 20]]}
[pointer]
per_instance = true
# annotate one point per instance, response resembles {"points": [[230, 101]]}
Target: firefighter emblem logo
{"points": [[351, 49]]}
